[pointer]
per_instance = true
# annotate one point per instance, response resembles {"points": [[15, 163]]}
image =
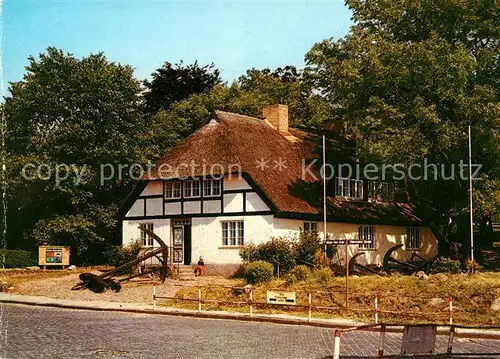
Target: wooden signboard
{"points": [[53, 256], [287, 298]]}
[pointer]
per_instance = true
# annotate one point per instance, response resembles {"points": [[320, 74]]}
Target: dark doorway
{"points": [[187, 244]]}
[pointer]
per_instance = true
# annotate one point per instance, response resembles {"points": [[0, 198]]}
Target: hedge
{"points": [[16, 258]]}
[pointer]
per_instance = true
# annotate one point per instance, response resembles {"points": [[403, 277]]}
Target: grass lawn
{"points": [[418, 300]]}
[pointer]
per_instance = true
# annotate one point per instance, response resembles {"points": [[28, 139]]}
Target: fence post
{"points": [[199, 299], [381, 343], [336, 345], [250, 296], [154, 298], [451, 311], [310, 305], [450, 341], [376, 309]]}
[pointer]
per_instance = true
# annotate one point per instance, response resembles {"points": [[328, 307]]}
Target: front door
{"points": [[187, 244], [182, 243]]}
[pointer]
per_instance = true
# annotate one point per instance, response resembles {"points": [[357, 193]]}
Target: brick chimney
{"points": [[277, 115]]}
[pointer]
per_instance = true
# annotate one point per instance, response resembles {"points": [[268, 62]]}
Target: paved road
{"points": [[36, 332]]}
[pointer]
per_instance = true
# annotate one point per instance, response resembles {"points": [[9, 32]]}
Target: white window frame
{"points": [[190, 188], [349, 188], [233, 233], [173, 190], [146, 239], [413, 239], [310, 227], [366, 233], [211, 188]]}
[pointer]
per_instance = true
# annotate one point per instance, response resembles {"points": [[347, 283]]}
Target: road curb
{"points": [[113, 307]]}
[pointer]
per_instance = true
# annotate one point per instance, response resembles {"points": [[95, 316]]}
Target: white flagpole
{"points": [[470, 201], [324, 190]]}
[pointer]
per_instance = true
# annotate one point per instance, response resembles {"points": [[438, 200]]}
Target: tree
{"points": [[82, 113], [408, 79], [171, 84]]}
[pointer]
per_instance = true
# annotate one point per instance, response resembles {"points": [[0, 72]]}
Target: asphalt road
{"points": [[37, 332]]}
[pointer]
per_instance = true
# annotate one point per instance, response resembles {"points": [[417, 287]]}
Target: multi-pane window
{"points": [[382, 191], [146, 239], [172, 190], [191, 189], [412, 238], [366, 233], [211, 188], [232, 233], [310, 227], [349, 188]]}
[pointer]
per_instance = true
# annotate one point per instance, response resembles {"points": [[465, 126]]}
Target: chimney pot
{"points": [[277, 115]]}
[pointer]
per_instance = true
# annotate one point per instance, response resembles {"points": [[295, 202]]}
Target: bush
{"points": [[320, 260], [445, 265], [249, 253], [323, 275], [309, 243], [258, 272], [118, 255], [15, 258], [279, 251], [298, 274]]}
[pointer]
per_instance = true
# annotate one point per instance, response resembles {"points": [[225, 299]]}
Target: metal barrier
{"points": [[446, 314], [382, 340]]}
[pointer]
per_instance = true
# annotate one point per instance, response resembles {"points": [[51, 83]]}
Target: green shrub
{"points": [[118, 255], [298, 273], [258, 272], [249, 253], [309, 243], [323, 275], [15, 258], [445, 265], [280, 252]]}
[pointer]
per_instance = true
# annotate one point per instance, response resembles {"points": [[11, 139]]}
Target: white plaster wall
{"points": [[192, 207], [172, 208], [233, 202], [137, 209], [255, 203], [153, 188], [207, 237], [154, 206], [234, 181], [212, 206], [131, 232]]}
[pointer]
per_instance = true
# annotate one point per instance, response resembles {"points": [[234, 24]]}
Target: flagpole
{"points": [[324, 190], [470, 201]]}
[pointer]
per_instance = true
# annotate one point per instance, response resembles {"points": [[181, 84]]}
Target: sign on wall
{"points": [[286, 298]]}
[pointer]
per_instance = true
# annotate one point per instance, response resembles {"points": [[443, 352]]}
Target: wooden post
{"points": [[450, 341], [250, 302], [154, 298], [199, 299], [451, 311], [381, 343], [376, 309], [346, 273], [310, 305], [336, 345]]}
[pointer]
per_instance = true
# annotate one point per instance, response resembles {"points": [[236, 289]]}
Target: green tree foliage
{"points": [[79, 112], [172, 83], [408, 79]]}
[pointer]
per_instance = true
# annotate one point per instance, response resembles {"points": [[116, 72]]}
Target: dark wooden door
{"points": [[187, 244]]}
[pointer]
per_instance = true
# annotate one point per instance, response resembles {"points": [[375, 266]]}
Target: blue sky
{"points": [[235, 35]]}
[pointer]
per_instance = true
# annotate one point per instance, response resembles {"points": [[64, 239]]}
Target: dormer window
{"points": [[191, 189], [349, 188]]}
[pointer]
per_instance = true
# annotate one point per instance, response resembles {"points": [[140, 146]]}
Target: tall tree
{"points": [[84, 113], [408, 79], [172, 83]]}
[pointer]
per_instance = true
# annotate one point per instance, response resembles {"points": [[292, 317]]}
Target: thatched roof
{"points": [[232, 140]]}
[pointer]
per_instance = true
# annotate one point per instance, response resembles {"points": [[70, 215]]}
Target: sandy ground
{"points": [[138, 290]]}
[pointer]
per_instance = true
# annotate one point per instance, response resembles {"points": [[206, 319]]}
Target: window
{"points": [[232, 233], [211, 188], [310, 227], [191, 189], [412, 238], [172, 190], [146, 239], [366, 233], [381, 191], [349, 188]]}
